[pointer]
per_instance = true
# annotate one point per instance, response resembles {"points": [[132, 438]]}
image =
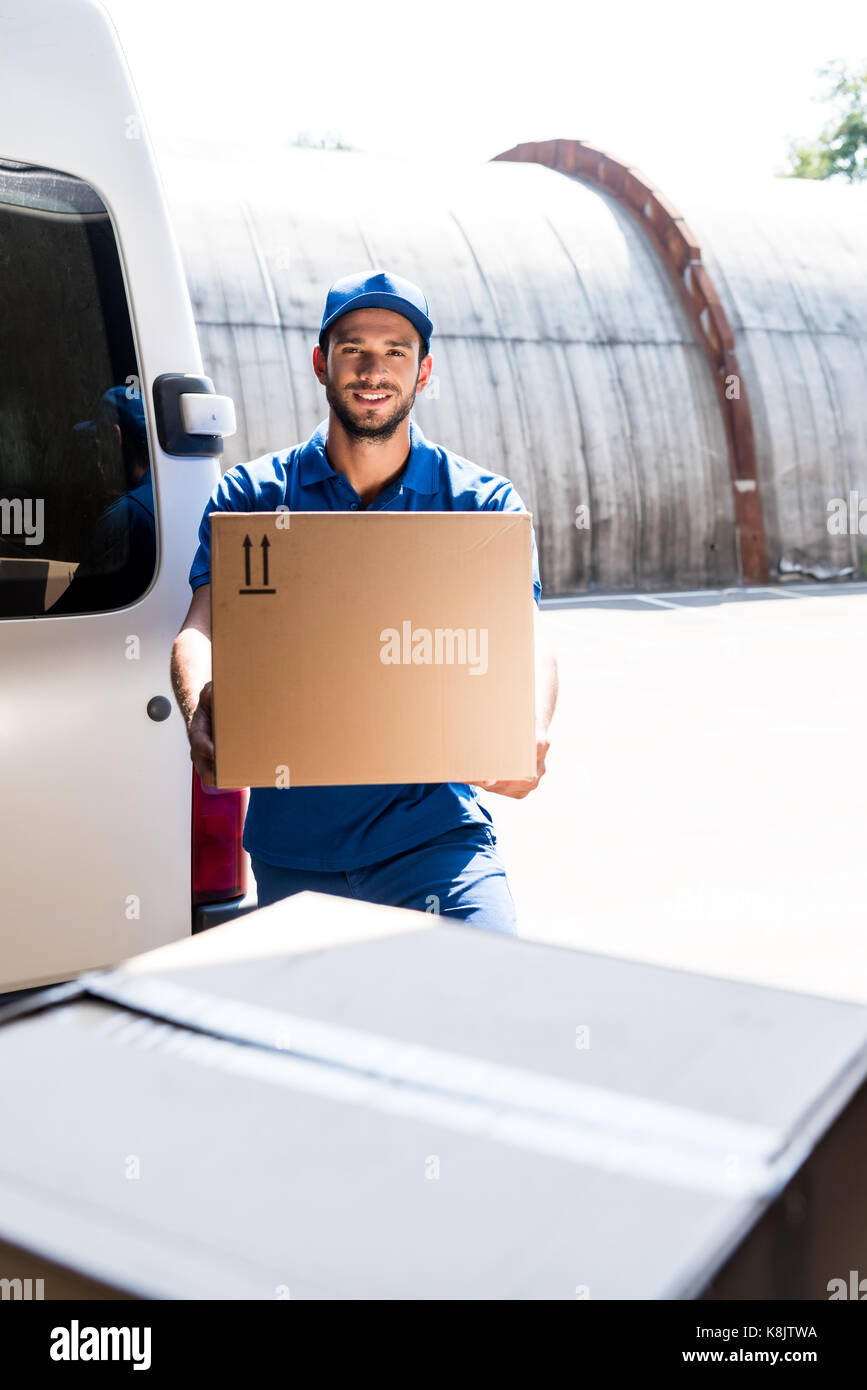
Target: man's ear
{"points": [[319, 363], [424, 372]]}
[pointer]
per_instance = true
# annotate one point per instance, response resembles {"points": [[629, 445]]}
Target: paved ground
{"points": [[705, 805]]}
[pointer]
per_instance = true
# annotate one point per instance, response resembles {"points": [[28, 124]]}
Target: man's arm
{"points": [[191, 681], [547, 685], [547, 678]]}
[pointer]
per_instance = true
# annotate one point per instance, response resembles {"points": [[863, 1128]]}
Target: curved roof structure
{"points": [[567, 355], [777, 295], [790, 264]]}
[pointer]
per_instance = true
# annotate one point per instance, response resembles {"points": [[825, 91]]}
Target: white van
{"points": [[110, 845]]}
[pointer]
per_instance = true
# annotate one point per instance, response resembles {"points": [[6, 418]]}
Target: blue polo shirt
{"points": [[343, 828], [121, 555]]}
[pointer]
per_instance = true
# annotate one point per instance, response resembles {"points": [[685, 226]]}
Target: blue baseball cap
{"points": [[117, 408], [378, 291]]}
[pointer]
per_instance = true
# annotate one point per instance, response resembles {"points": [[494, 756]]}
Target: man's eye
{"points": [[399, 351]]}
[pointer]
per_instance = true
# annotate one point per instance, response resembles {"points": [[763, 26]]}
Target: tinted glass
{"points": [[77, 526]]}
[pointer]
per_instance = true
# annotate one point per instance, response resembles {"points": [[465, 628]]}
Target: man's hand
{"points": [[523, 788], [201, 738]]}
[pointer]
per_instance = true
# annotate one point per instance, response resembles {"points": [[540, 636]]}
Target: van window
{"points": [[77, 524]]}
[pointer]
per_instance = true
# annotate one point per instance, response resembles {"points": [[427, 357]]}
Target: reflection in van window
{"points": [[77, 524]]}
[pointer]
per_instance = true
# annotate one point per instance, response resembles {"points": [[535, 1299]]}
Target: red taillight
{"points": [[218, 862]]}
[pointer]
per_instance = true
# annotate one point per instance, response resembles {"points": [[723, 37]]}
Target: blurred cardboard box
{"points": [[330, 1099], [372, 647]]}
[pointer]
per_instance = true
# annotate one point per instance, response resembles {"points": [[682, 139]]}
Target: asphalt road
{"points": [[705, 805]]}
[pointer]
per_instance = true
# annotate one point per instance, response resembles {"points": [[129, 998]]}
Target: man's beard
{"points": [[374, 429]]}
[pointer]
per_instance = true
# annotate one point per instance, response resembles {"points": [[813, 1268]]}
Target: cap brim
{"points": [[380, 299]]}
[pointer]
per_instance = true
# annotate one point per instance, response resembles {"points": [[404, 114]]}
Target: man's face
{"points": [[372, 373]]}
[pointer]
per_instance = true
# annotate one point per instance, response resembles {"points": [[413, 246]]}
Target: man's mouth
{"points": [[371, 397]]}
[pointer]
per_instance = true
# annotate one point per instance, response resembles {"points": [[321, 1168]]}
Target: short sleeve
{"points": [[506, 498], [235, 492]]}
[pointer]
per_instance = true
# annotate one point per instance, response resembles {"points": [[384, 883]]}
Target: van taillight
{"points": [[219, 866]]}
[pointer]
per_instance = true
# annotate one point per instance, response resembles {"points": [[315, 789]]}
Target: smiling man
{"points": [[430, 847]]}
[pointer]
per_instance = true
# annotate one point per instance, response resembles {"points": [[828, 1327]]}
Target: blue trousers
{"points": [[458, 875]]}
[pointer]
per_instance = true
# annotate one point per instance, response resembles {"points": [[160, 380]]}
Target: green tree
{"points": [[329, 141], [841, 149]]}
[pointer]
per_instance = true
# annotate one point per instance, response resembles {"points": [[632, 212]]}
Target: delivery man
{"points": [[428, 847]]}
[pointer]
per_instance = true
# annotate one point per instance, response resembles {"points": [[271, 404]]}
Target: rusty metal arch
{"points": [[681, 254]]}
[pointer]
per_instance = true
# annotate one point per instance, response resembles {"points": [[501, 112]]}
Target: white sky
{"points": [[680, 89]]}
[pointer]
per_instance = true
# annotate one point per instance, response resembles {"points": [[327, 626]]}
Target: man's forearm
{"points": [[190, 669], [547, 680]]}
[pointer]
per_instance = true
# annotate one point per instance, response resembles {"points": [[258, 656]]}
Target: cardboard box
{"points": [[372, 647], [31, 585], [328, 1099]]}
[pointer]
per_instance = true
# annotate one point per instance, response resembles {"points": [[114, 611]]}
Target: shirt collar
{"points": [[420, 474]]}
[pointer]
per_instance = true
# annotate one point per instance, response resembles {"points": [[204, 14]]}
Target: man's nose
{"points": [[373, 373], [372, 357]]}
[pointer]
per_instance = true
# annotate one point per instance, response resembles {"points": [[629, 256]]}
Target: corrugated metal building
{"points": [[790, 262], [567, 353]]}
